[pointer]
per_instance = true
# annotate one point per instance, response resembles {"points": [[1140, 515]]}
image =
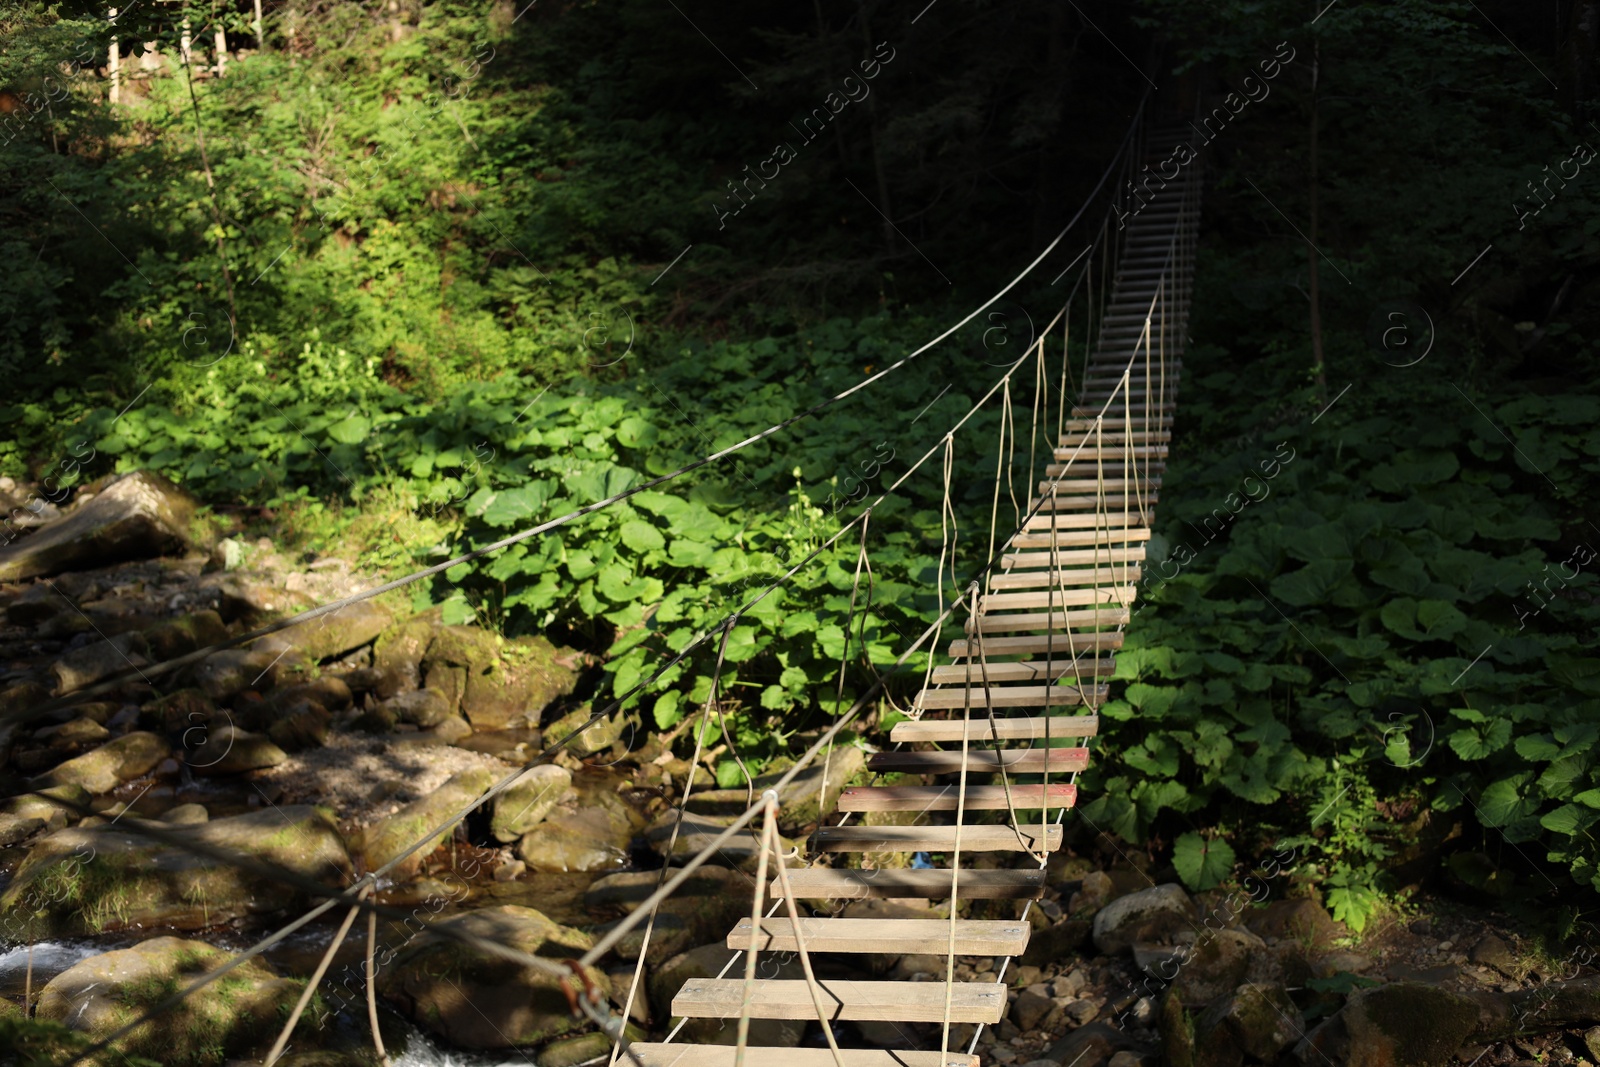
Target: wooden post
{"points": [[221, 40], [114, 64], [261, 41], [183, 44]]}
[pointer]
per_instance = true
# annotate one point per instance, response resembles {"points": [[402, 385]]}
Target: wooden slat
{"points": [[943, 798], [974, 937], [654, 1054], [1063, 665], [1040, 644], [984, 761], [1090, 502], [1096, 485], [1065, 539], [1047, 620], [974, 838], [1077, 577], [825, 883], [1008, 696], [1058, 598], [918, 1002], [1003, 728], [1090, 556]]}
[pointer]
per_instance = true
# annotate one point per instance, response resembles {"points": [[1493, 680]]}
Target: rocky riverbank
{"points": [[325, 751]]}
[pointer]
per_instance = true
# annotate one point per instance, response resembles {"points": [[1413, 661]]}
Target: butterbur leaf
{"points": [[641, 536], [350, 430], [1477, 742], [1202, 864]]}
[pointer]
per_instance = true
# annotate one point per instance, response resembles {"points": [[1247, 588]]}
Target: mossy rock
{"points": [[231, 1016], [337, 632], [586, 740], [81, 882], [1407, 1024], [526, 803], [478, 1000], [496, 683], [183, 636], [388, 838], [177, 713], [397, 653], [113, 763]]}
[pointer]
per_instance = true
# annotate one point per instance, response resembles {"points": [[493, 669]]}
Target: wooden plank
{"points": [[1061, 666], [1093, 502], [1081, 556], [1041, 644], [827, 883], [974, 838], [918, 1002], [1079, 522], [1007, 696], [654, 1054], [1058, 598], [1065, 539], [974, 937], [984, 761], [944, 797], [1076, 577], [1003, 728], [1046, 620], [1095, 485]]}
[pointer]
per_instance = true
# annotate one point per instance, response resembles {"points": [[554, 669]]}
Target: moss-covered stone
{"points": [[1407, 1024], [179, 637], [228, 1017], [496, 683], [388, 838], [80, 882], [113, 763], [526, 803], [397, 653], [478, 1000]]}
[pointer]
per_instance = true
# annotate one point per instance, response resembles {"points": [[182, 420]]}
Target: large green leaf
{"points": [[1202, 864]]}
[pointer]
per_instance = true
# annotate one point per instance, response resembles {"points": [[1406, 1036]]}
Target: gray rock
{"points": [[496, 683], [186, 815], [1301, 918], [183, 636], [102, 993], [421, 707], [138, 516], [1029, 1010], [223, 675], [387, 838], [1492, 951], [226, 749], [593, 837], [1142, 916], [478, 1000], [121, 760], [335, 633], [1219, 963], [526, 803], [1401, 1023], [84, 666], [1255, 1020]]}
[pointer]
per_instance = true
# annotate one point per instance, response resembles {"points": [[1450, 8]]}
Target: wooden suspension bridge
{"points": [[1018, 697]]}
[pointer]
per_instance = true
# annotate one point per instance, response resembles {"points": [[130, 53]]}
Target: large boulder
{"points": [[335, 633], [79, 882], [1215, 965], [478, 1000], [1257, 1020], [1405, 1024], [84, 666], [225, 749], [229, 1017], [1148, 915], [121, 760], [223, 675], [526, 803], [389, 837], [591, 836], [138, 516], [496, 683], [179, 637], [398, 651]]}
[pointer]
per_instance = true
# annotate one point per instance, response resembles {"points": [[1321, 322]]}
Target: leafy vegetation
{"points": [[418, 292]]}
